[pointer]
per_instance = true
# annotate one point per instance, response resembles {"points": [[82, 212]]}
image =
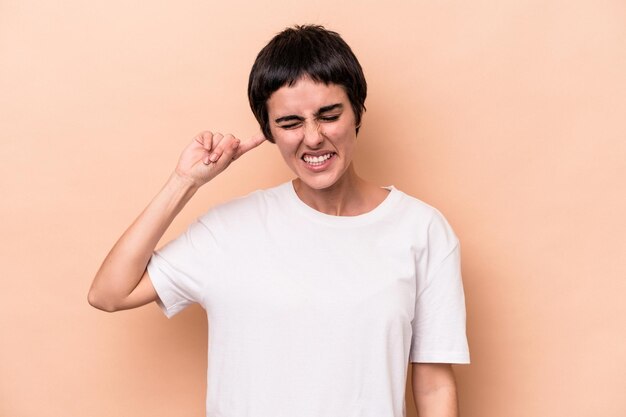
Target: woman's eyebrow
{"points": [[331, 107], [289, 118]]}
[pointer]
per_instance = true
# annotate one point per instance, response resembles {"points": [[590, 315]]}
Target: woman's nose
{"points": [[313, 136]]}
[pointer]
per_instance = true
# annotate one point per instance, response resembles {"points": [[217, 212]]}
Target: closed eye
{"points": [[290, 125], [329, 118]]}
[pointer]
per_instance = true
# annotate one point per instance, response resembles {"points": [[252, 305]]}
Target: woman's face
{"points": [[313, 126]]}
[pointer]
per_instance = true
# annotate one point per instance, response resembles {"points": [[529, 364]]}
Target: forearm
{"points": [[122, 281], [434, 390], [125, 264], [441, 402]]}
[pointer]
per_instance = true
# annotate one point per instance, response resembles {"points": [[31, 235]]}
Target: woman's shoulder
{"points": [[424, 215], [255, 203], [414, 204]]}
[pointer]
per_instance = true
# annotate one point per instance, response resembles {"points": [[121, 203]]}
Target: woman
{"points": [[319, 291]]}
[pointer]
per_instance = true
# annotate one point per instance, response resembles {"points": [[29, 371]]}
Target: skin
{"points": [[434, 390], [122, 281], [306, 119], [311, 118]]}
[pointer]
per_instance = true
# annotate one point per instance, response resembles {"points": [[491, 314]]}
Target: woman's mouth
{"points": [[319, 160]]}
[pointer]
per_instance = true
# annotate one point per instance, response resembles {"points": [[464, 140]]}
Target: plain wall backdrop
{"points": [[509, 116]]}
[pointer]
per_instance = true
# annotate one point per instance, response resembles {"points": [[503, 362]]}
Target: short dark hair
{"points": [[312, 51]]}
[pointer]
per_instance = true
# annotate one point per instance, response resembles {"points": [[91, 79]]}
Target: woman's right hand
{"points": [[122, 281], [209, 154]]}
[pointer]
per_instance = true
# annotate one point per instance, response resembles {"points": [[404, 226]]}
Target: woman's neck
{"points": [[350, 196]]}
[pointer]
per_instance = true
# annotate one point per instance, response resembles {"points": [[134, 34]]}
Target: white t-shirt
{"points": [[313, 315]]}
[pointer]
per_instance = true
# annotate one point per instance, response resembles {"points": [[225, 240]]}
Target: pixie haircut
{"points": [[310, 51]]}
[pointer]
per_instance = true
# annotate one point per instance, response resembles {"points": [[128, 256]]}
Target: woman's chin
{"points": [[320, 181], [323, 176], [314, 183]]}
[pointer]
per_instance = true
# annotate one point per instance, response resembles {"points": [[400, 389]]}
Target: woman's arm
{"points": [[122, 281], [434, 390]]}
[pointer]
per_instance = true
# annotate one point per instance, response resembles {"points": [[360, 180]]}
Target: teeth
{"points": [[316, 160]]}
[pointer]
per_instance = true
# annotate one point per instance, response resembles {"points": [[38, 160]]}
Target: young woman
{"points": [[320, 291]]}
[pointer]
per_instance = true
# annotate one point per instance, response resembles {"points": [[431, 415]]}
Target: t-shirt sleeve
{"points": [[178, 271], [439, 334]]}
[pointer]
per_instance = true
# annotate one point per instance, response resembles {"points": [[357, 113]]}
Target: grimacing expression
{"points": [[304, 51], [314, 127]]}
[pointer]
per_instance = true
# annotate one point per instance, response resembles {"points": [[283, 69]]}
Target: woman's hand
{"points": [[122, 281], [209, 154]]}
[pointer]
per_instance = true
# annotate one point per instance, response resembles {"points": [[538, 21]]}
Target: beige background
{"points": [[508, 116]]}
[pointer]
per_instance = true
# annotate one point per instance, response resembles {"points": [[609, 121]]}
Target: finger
{"points": [[229, 147], [205, 139], [215, 150], [249, 145], [220, 145]]}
